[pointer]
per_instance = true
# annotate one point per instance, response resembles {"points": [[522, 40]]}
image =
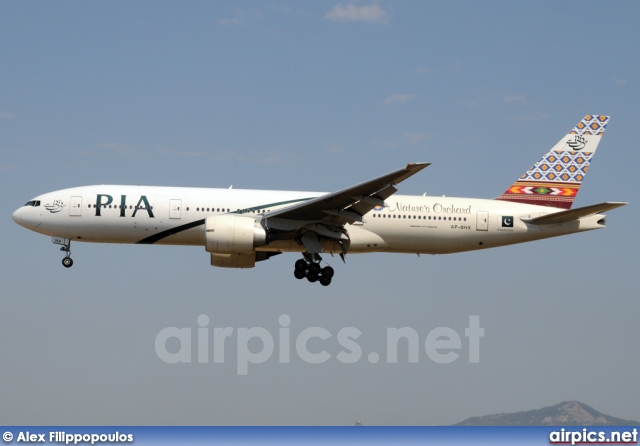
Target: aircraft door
{"points": [[175, 209], [482, 221], [75, 206]]}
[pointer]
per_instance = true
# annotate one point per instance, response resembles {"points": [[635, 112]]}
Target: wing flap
{"points": [[573, 214], [358, 199]]}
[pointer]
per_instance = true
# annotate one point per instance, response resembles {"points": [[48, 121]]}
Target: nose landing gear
{"points": [[310, 268], [67, 261]]}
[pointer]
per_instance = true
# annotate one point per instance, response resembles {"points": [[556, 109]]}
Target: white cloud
{"points": [[621, 82], [237, 20], [519, 99], [6, 115], [399, 98], [335, 148], [352, 13], [230, 22], [413, 138], [192, 154]]}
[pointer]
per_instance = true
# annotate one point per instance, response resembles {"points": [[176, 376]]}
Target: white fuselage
{"points": [[176, 215]]}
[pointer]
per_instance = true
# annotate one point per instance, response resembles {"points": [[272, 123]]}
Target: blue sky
{"points": [[314, 96]]}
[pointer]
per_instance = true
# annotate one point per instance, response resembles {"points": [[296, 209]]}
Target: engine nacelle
{"points": [[233, 234], [244, 260]]}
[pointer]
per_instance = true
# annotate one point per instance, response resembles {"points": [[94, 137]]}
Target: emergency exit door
{"points": [[175, 209], [482, 221], [75, 206]]}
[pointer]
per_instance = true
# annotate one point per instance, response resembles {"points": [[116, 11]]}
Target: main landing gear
{"points": [[312, 271]]}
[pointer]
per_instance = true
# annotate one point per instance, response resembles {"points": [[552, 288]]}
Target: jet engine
{"points": [[233, 234]]}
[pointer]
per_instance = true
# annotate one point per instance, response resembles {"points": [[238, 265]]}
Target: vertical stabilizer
{"points": [[556, 178]]}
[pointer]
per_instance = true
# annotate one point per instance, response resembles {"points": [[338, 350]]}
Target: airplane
{"points": [[241, 227]]}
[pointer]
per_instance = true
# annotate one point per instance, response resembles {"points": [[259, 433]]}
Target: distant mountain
{"points": [[569, 413]]}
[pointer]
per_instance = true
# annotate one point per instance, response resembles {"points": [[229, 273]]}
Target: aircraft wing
{"points": [[351, 203], [573, 214]]}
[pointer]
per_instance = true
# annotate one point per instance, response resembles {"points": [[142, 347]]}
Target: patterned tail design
{"points": [[556, 178]]}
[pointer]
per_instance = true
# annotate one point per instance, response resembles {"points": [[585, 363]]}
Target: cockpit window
{"points": [[34, 203]]}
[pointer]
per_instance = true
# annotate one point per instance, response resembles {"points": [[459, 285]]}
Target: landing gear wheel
{"points": [[67, 262], [310, 268], [327, 272]]}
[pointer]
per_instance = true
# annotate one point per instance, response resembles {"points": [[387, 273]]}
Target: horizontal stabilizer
{"points": [[573, 214]]}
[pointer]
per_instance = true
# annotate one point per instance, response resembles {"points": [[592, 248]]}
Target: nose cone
{"points": [[16, 216]]}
